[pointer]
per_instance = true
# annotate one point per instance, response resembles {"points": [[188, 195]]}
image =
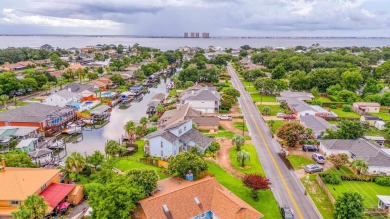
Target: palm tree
{"points": [[271, 123], [266, 111], [238, 141], [130, 129], [112, 148], [160, 109], [143, 121], [242, 156], [139, 132], [75, 163], [15, 100], [33, 207], [80, 74], [4, 100], [360, 166]]}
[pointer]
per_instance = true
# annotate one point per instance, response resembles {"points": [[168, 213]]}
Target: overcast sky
{"points": [[219, 17]]}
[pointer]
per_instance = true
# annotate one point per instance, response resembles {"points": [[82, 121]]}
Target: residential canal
{"points": [[96, 138]]}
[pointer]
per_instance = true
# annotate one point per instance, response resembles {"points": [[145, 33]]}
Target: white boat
{"points": [[89, 121], [72, 129]]}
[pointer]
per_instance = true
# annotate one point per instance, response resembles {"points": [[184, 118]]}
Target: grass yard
{"points": [[319, 197], [276, 125], [340, 113], [251, 89], [368, 190], [266, 98], [372, 131], [251, 166], [274, 109], [125, 164], [267, 204], [342, 170], [240, 126], [325, 100], [225, 134], [22, 103], [384, 116], [299, 162]]}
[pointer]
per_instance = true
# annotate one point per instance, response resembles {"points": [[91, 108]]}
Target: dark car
{"points": [[312, 168], [308, 147], [286, 212]]}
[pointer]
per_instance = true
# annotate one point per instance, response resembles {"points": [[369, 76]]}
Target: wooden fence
{"points": [[323, 186], [154, 162]]}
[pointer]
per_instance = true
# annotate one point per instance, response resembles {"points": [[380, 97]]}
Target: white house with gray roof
{"points": [[377, 158], [172, 140], [204, 99], [61, 98], [317, 124]]}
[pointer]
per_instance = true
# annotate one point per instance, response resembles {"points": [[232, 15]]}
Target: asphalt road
{"points": [[286, 186]]}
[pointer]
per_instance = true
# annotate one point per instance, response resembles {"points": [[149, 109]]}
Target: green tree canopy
{"points": [[182, 163], [17, 158], [349, 206], [34, 207], [95, 159], [146, 178]]}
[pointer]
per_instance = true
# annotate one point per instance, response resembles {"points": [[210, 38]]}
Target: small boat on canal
{"points": [[72, 129]]}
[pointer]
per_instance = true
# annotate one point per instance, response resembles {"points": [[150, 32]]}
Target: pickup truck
{"points": [[225, 117]]}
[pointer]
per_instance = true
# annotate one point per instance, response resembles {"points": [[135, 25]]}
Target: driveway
{"points": [[287, 187]]}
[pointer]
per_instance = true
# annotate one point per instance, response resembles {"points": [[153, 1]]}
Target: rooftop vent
{"points": [[197, 200], [167, 212]]}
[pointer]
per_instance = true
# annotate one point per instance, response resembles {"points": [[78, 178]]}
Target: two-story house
{"points": [[174, 139], [61, 98], [204, 99]]}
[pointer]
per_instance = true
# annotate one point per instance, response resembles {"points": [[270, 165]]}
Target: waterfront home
{"points": [[136, 89], [78, 88], [61, 98], [18, 132], [19, 183], [175, 138], [41, 156], [102, 83], [203, 198], [205, 99], [49, 119], [185, 112], [156, 99], [377, 158], [27, 145], [366, 107]]}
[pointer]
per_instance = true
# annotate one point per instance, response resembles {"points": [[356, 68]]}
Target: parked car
{"points": [[287, 213], [280, 115], [318, 158], [289, 117], [308, 147], [312, 168], [225, 117]]}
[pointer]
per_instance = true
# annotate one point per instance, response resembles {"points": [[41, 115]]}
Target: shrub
{"points": [[214, 146], [353, 177], [316, 102], [154, 118], [347, 108], [333, 179], [333, 106], [383, 180]]}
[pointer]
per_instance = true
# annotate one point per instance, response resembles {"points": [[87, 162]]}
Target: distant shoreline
{"points": [[180, 37]]}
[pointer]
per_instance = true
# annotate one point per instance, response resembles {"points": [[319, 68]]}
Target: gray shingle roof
{"points": [[361, 148], [40, 152], [78, 88], [197, 137], [206, 121], [65, 94], [315, 123], [33, 112], [202, 94], [296, 95]]}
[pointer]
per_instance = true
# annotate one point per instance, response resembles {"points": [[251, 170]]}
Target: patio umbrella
{"points": [[63, 205]]}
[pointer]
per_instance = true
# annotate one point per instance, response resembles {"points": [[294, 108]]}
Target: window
{"points": [[13, 202]]}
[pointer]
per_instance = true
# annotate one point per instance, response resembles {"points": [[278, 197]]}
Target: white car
{"points": [[280, 115], [318, 158], [225, 117]]}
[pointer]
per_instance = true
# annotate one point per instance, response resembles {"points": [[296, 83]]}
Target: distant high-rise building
{"points": [[205, 35], [193, 34], [197, 35], [185, 35]]}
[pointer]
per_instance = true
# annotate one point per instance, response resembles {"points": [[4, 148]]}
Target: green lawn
{"points": [[299, 162], [127, 163], [319, 197], [267, 204], [22, 103], [384, 116], [266, 98], [372, 131], [225, 134], [251, 89], [247, 83], [274, 109], [342, 170], [368, 190], [251, 166], [340, 113], [325, 100], [276, 125], [240, 126]]}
